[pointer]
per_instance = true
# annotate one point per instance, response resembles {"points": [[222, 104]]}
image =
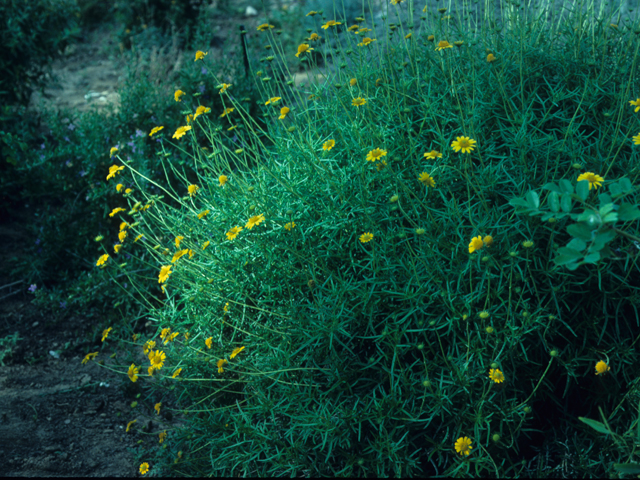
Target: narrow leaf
{"points": [[599, 427]]}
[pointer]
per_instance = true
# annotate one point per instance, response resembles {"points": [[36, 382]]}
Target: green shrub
{"points": [[431, 250], [33, 34]]}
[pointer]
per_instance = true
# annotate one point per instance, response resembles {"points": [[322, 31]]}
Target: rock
{"points": [[250, 11]]}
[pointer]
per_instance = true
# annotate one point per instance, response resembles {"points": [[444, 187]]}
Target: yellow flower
{"points": [[177, 95], [235, 352], [283, 113], [636, 139], [408, 36], [433, 154], [103, 259], [264, 27], [380, 165], [157, 407], [465, 144], [488, 240], [476, 244], [290, 226], [148, 346], [223, 87], [431, 38], [302, 48], [155, 130], [496, 375], [117, 247], [179, 238], [165, 271], [602, 367], [116, 210], [311, 13], [188, 119], [176, 373], [366, 237], [144, 468], [112, 152], [330, 23], [353, 82], [138, 238], [129, 425], [133, 372], [442, 44], [491, 58], [105, 333], [427, 179], [89, 356], [127, 191], [363, 30], [200, 55], [233, 233], [328, 145], [179, 254], [358, 102], [223, 179], [119, 187], [313, 37], [272, 100], [593, 179], [162, 437], [636, 103], [206, 244], [353, 28], [122, 235], [201, 110], [226, 112], [179, 133], [375, 154], [113, 169], [209, 342], [151, 370], [226, 307], [192, 189], [171, 337], [366, 41], [203, 214], [157, 358], [255, 220], [396, 2], [221, 363], [463, 445]]}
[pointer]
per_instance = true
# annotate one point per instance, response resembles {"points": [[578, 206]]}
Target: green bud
{"points": [[426, 384], [291, 129], [527, 409], [485, 259], [494, 365], [513, 254], [99, 238], [239, 151], [489, 329], [496, 437], [420, 231], [432, 323], [525, 314], [290, 82], [252, 208], [134, 404], [251, 189], [553, 353], [394, 199], [289, 212], [420, 346]]}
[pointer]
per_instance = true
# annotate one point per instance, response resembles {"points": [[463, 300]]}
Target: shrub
{"points": [[424, 265]]}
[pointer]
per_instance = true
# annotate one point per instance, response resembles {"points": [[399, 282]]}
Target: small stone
{"points": [[67, 421]]}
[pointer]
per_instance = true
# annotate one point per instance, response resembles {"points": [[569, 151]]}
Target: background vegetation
{"points": [[422, 262]]}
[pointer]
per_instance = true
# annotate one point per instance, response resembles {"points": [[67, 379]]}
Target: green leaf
{"points": [[566, 203], [577, 244], [590, 218], [566, 186], [615, 189], [592, 257], [532, 199], [554, 202], [567, 256], [580, 230], [628, 212], [629, 468], [602, 237], [625, 185], [610, 218], [599, 427], [552, 187], [604, 198], [518, 202], [606, 208], [583, 189]]}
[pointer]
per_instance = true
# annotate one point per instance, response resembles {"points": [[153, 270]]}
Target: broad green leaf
{"points": [[532, 199], [566, 203], [566, 186], [606, 208], [599, 427], [629, 468], [566, 256], [580, 230], [590, 218], [554, 202], [604, 198], [582, 189], [518, 202], [602, 237], [625, 185], [592, 257], [552, 187], [611, 217], [615, 189], [628, 212], [577, 244]]}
